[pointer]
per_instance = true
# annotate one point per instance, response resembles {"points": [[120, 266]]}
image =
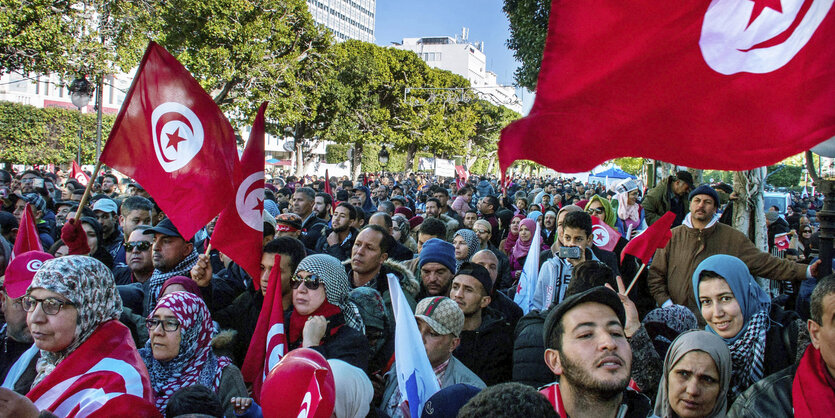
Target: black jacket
{"points": [[224, 287], [488, 350], [769, 398], [241, 316], [311, 231], [399, 252], [780, 226], [528, 350], [346, 344], [507, 307], [341, 251]]}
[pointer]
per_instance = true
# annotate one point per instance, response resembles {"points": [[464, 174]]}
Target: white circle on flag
{"points": [[81, 178], [178, 140], [34, 265], [249, 201], [745, 36], [304, 410], [599, 235]]}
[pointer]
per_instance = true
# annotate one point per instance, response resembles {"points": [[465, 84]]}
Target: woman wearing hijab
{"points": [[322, 317], [697, 373], [89, 365], [179, 352], [762, 338], [364, 194], [466, 244], [527, 227], [353, 390], [509, 242], [629, 212]]}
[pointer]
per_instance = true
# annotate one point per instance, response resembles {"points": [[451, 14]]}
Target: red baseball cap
{"points": [[21, 270]]}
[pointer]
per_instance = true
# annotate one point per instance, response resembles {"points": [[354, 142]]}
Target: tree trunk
{"points": [[491, 163], [356, 161], [697, 175], [410, 157], [749, 213], [299, 158]]}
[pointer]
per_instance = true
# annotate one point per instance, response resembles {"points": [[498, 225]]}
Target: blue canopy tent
{"points": [[610, 176]]}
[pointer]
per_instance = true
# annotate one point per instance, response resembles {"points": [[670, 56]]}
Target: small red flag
{"points": [[27, 234], [269, 341], [329, 191], [654, 237], [239, 231], [781, 241], [79, 175], [724, 84], [172, 138], [603, 236]]}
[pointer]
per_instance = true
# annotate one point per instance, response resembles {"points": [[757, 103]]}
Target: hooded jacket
{"points": [[380, 283]]}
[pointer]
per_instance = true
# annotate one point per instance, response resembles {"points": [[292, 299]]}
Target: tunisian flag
{"points": [[656, 236], [171, 137], [79, 175], [725, 84], [103, 377], [239, 231], [603, 236], [27, 234], [269, 341]]}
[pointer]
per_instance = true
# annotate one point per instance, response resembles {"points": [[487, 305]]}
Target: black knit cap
{"points": [[599, 294]]}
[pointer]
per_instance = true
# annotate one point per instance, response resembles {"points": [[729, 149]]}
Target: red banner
{"points": [[725, 84], [27, 234], [239, 231], [603, 236], [80, 176], [654, 237], [173, 139]]}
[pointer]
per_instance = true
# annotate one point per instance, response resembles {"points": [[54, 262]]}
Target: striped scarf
{"points": [[747, 354]]}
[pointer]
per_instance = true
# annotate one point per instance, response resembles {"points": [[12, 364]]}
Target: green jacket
{"points": [[657, 201]]}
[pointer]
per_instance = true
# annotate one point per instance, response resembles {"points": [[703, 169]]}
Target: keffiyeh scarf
{"points": [[747, 354], [337, 286], [158, 278]]}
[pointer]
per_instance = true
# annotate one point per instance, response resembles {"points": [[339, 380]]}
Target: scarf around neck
{"points": [[521, 248], [158, 278], [812, 391]]}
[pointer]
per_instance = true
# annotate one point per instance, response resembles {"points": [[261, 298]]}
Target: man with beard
{"points": [[173, 255], [487, 338], [437, 266], [700, 236], [338, 240], [322, 206], [140, 265], [587, 347], [135, 211], [499, 301], [303, 201], [106, 213]]}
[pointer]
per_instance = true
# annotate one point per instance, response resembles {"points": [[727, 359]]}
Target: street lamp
{"points": [[383, 156], [81, 91]]}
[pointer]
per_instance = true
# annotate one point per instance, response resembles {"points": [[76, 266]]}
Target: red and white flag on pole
{"points": [[27, 234], [724, 84], [269, 341], [602, 235], [239, 231], [781, 241], [172, 138], [103, 377], [79, 175], [654, 237]]}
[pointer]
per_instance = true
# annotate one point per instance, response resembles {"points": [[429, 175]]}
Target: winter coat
{"points": [[311, 231], [456, 372], [658, 201], [780, 226], [346, 344], [769, 398], [342, 250], [241, 316], [488, 350], [484, 188], [410, 286], [671, 272]]}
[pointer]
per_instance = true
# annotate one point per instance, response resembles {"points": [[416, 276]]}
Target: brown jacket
{"points": [[671, 272]]}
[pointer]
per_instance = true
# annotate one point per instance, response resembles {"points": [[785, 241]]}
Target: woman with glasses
{"points": [[179, 352], [802, 241], [322, 317], [88, 360]]}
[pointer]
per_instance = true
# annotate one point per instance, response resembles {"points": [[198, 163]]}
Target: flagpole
{"points": [[208, 248], [87, 191], [635, 279]]}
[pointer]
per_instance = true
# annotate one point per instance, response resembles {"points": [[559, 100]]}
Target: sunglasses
{"points": [[140, 245], [312, 282], [596, 210]]}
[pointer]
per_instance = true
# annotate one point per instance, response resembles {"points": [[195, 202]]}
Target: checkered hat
{"points": [[442, 314]]}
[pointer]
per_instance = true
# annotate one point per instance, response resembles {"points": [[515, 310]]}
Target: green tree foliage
{"points": [[631, 165], [528, 27], [784, 175], [32, 135]]}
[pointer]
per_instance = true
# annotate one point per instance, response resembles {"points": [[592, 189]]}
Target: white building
{"points": [[466, 59], [348, 19], [51, 91]]}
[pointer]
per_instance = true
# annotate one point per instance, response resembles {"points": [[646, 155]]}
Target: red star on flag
{"points": [[259, 206], [760, 5], [598, 236], [175, 139]]}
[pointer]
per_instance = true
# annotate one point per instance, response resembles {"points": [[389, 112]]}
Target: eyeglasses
{"points": [[168, 325], [140, 245], [595, 210], [50, 306], [312, 282]]}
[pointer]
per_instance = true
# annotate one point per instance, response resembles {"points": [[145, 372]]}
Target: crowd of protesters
{"points": [[118, 291]]}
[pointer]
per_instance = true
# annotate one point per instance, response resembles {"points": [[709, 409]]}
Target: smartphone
{"points": [[569, 252]]}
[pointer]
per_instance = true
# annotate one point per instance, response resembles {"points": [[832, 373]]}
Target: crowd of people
{"points": [[122, 315]]}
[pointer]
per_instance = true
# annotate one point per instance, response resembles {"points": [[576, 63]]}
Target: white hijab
{"points": [[353, 390]]}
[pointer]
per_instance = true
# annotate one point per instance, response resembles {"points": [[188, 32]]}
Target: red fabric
{"points": [[781, 241], [104, 374], [603, 235], [697, 84], [269, 343], [239, 231], [654, 237], [329, 191], [172, 138], [297, 321], [79, 175], [72, 233], [812, 395], [27, 234]]}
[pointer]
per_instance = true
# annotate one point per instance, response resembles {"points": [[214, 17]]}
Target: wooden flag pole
{"points": [[208, 248], [635, 279], [87, 191]]}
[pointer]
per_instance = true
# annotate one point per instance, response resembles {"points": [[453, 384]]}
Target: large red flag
{"points": [[603, 236], [172, 138], [239, 231], [656, 236], [79, 175], [727, 84], [269, 341], [27, 234]]}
